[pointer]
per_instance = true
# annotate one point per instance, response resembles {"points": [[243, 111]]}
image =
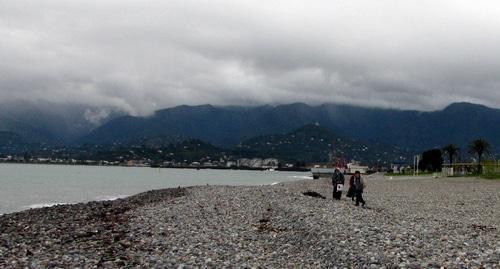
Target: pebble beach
{"points": [[407, 223]]}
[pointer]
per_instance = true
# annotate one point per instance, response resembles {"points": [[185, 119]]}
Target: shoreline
{"points": [[112, 198], [300, 169], [73, 184], [406, 225]]}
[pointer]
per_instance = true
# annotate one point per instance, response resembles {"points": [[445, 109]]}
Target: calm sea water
{"points": [[24, 186]]}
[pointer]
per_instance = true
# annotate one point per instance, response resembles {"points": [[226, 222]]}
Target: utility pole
{"points": [[414, 165], [418, 160]]}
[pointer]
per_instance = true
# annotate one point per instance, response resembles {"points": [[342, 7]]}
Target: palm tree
{"points": [[479, 147], [451, 150]]}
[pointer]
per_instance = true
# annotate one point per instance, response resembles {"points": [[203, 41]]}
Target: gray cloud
{"points": [[146, 55], [96, 116]]}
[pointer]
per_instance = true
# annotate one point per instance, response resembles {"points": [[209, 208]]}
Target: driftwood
{"points": [[314, 194]]}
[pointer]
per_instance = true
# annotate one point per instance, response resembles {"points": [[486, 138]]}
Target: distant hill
{"points": [[218, 125], [50, 124], [25, 132], [13, 143], [459, 123], [314, 143], [185, 151], [310, 143], [47, 124]]}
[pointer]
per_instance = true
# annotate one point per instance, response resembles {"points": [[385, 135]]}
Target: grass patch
{"points": [[495, 176], [464, 175], [491, 170]]}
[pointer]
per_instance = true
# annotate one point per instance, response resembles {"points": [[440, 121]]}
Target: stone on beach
{"points": [[410, 223]]}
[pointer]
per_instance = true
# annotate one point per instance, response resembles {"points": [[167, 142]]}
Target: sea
{"points": [[25, 186]]}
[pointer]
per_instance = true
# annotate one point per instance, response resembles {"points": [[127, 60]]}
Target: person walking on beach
{"points": [[359, 186], [338, 183], [350, 192]]}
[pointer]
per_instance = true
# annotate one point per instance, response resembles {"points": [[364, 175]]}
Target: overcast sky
{"points": [[140, 56]]}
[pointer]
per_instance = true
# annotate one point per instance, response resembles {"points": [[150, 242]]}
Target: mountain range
{"points": [[50, 124], [314, 143], [228, 127], [459, 123], [307, 144]]}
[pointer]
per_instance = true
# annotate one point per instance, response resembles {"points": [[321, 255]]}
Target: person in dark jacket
{"points": [[359, 186], [350, 192], [338, 183]]}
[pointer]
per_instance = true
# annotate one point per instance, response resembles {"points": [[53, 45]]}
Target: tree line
{"points": [[432, 160]]}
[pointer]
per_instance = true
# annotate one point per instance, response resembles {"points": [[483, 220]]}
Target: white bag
{"points": [[340, 187]]}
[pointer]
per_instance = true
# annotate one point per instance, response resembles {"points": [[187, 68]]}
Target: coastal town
{"points": [[250, 134], [241, 163], [250, 163]]}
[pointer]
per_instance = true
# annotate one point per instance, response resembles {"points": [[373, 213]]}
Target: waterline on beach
{"points": [[42, 205], [25, 186]]}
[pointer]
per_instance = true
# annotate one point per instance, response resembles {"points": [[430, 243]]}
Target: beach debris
{"points": [[483, 227], [314, 194]]}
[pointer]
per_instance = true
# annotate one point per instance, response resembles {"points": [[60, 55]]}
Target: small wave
{"points": [[274, 183], [301, 177], [33, 206], [111, 197]]}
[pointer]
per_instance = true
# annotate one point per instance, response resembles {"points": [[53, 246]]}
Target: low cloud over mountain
{"points": [[142, 56]]}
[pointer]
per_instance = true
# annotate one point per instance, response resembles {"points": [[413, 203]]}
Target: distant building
{"points": [[138, 163], [270, 163], [398, 167], [252, 163], [243, 162], [354, 166], [168, 163], [18, 158], [256, 163]]}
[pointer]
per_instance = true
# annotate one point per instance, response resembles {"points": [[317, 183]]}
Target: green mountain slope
{"points": [[229, 126], [313, 143]]}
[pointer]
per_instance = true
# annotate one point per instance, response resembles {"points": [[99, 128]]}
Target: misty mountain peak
{"points": [[464, 106]]}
